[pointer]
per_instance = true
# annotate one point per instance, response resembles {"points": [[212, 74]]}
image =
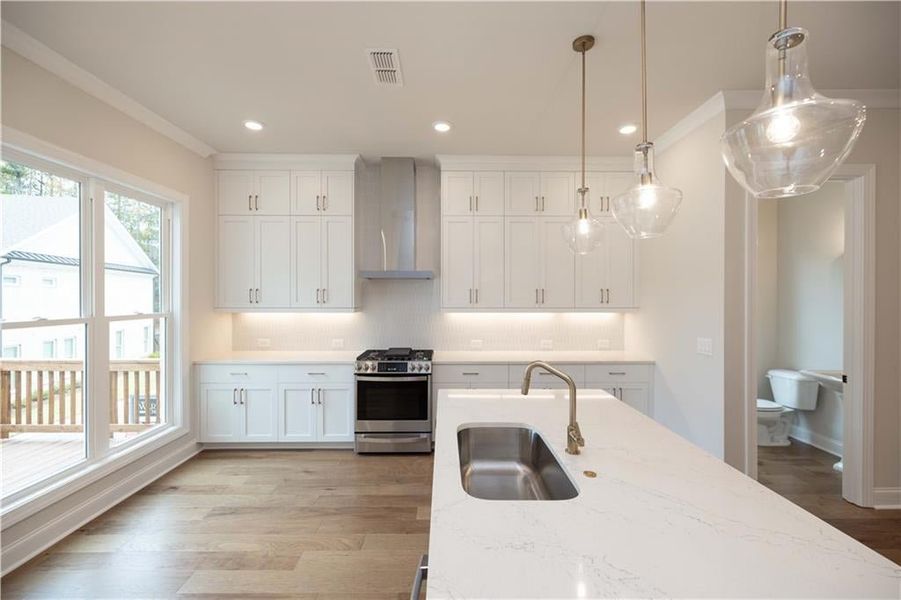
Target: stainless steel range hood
{"points": [[397, 222]]}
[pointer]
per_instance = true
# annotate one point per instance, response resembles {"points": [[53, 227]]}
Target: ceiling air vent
{"points": [[385, 65]]}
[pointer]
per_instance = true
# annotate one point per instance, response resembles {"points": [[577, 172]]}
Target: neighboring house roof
{"points": [[68, 261], [46, 229]]}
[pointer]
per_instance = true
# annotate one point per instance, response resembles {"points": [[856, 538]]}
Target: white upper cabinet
{"points": [[472, 193], [523, 193], [458, 261], [558, 265], [603, 188], [235, 257], [323, 193], [472, 255], [606, 276], [457, 197], [253, 192], [285, 237], [523, 266], [558, 193], [273, 260]]}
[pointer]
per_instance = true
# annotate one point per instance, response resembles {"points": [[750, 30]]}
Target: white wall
{"points": [[681, 281]]}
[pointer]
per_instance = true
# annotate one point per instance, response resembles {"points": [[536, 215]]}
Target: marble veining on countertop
{"points": [[661, 519], [441, 356]]}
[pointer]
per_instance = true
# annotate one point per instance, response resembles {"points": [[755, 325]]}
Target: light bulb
{"points": [[646, 209], [583, 234], [783, 127], [584, 226], [647, 196]]}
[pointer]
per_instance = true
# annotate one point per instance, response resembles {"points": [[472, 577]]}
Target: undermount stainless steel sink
{"points": [[510, 463]]}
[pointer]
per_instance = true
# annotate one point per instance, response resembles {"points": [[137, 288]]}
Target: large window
{"points": [[54, 373]]}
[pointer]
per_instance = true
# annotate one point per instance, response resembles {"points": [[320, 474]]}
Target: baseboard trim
{"points": [[27, 547], [826, 444], [278, 446], [887, 497]]}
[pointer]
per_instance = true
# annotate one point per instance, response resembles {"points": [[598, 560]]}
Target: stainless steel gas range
{"points": [[394, 401]]}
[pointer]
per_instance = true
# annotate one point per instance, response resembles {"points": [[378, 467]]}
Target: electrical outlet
{"points": [[547, 344], [337, 343], [263, 342], [603, 344], [705, 346], [475, 344]]}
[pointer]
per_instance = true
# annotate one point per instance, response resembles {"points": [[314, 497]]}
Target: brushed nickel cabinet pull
{"points": [[312, 392], [470, 295], [256, 202], [324, 202], [235, 374], [542, 295], [317, 296], [325, 295], [242, 393], [477, 203], [542, 204], [616, 372], [250, 295], [477, 295], [319, 396], [249, 201], [235, 397], [473, 373], [608, 295], [470, 204], [317, 202], [258, 295], [536, 295], [536, 203]]}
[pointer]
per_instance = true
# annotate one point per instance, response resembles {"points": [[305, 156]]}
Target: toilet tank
{"points": [[793, 389]]}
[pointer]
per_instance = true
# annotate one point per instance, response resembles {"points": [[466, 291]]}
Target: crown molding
{"points": [[453, 162], [297, 162], [23, 44]]}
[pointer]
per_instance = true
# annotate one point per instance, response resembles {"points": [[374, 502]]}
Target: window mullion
{"points": [[98, 337]]}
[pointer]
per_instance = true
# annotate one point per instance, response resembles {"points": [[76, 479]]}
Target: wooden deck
{"points": [[26, 458]]}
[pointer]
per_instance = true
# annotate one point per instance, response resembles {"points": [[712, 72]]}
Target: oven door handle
{"points": [[390, 379]]}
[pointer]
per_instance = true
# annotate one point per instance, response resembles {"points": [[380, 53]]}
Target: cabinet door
{"points": [[558, 265], [273, 262], [591, 277], [272, 195], [522, 192], [488, 275], [456, 193], [558, 191], [621, 250], [597, 195], [219, 413], [307, 193], [616, 184], [337, 262], [636, 395], [522, 266], [306, 242], [488, 190], [234, 190], [297, 413], [336, 413], [338, 193], [260, 414], [235, 262], [457, 262]]}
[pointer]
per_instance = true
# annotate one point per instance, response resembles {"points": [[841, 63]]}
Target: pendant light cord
{"points": [[583, 127], [783, 14], [644, 81]]}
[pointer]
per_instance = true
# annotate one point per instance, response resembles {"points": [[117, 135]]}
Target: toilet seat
{"points": [[764, 405]]}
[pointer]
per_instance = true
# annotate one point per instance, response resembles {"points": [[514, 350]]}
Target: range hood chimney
{"points": [[397, 222]]}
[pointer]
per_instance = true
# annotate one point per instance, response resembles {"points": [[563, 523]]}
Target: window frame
{"points": [[102, 459]]}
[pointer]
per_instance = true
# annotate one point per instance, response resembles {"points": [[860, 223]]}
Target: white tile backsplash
{"points": [[407, 313]]}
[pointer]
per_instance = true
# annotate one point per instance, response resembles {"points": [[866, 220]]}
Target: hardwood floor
{"points": [[804, 475], [311, 525]]}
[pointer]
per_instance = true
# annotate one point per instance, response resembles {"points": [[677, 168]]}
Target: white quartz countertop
{"points": [[441, 357], [662, 519]]}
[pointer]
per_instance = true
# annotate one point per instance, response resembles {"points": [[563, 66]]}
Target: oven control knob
{"points": [[417, 367], [370, 366], [426, 367], [358, 366]]}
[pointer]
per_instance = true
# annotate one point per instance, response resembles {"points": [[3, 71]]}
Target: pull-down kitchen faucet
{"points": [[574, 437]]}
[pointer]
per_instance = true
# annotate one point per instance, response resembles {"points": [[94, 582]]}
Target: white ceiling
{"points": [[503, 73]]}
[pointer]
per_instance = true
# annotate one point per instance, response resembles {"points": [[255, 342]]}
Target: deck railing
{"points": [[46, 395]]}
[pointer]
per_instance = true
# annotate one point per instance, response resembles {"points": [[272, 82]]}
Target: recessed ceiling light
{"points": [[253, 125], [628, 129], [441, 126]]}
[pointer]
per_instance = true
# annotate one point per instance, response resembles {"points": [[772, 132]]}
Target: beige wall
{"points": [[681, 283], [41, 104]]}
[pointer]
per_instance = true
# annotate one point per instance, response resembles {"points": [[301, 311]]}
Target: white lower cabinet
{"points": [[294, 404], [636, 395], [238, 413]]}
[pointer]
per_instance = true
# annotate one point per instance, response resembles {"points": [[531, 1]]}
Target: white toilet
{"points": [[792, 391]]}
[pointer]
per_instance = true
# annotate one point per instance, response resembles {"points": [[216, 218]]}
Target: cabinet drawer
{"points": [[470, 373], [235, 373], [611, 373], [316, 373], [541, 379]]}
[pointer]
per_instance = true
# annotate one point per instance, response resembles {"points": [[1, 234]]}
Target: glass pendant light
{"points": [[646, 209], [584, 233], [796, 137]]}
